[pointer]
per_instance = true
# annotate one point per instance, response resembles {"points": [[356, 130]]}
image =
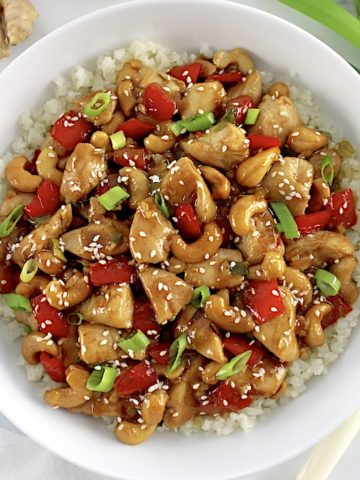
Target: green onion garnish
{"points": [[102, 380], [27, 329], [287, 224], [327, 282], [75, 318], [58, 253], [113, 197], [177, 348], [29, 270], [200, 296], [251, 116], [238, 268], [17, 302], [228, 117], [118, 140], [327, 169], [136, 343], [345, 149], [98, 104], [161, 204], [201, 121], [8, 225], [236, 365]]}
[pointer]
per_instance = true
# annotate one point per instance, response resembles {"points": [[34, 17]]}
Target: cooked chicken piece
{"points": [[217, 271], [4, 46], [277, 117], [318, 157], [104, 117], [278, 333], [84, 170], [220, 148], [98, 344], [180, 184], [203, 338], [316, 249], [251, 87], [13, 199], [19, 16], [167, 293], [112, 305], [150, 234], [201, 98], [39, 238], [94, 241], [290, 181], [70, 351]]}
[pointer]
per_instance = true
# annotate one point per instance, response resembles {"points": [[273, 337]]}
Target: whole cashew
{"points": [[75, 394], [299, 285], [153, 407], [253, 87], [344, 270], [32, 288], [133, 433], [229, 318], [315, 336], [320, 191], [100, 139], [159, 144], [138, 183], [46, 166], [236, 56], [19, 178], [272, 266], [251, 172], [49, 264], [208, 244], [220, 185], [278, 89], [207, 68], [65, 295], [242, 212], [306, 140], [35, 343], [176, 266]]}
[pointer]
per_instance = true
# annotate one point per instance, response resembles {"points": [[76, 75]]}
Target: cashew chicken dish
{"points": [[176, 243]]}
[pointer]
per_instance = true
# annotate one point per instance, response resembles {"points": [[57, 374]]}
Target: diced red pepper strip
{"points": [[70, 129], [135, 379], [49, 319], [158, 103], [230, 77], [54, 367], [187, 223], [263, 299], [144, 319], [312, 222], [187, 73], [135, 128], [160, 352], [240, 106], [9, 278], [263, 141], [342, 207], [237, 344], [133, 157], [225, 398], [340, 308], [113, 271], [46, 202], [226, 229]]}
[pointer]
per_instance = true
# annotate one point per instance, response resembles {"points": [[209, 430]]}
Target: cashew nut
{"points": [[236, 56], [138, 184], [251, 172], [272, 266], [46, 166], [315, 336], [65, 295], [14, 199], [209, 243], [319, 192], [153, 407], [220, 185], [35, 343], [75, 394], [306, 140], [317, 158], [49, 264], [208, 375], [34, 287], [344, 270], [242, 212], [176, 266], [278, 89], [133, 433], [160, 144], [223, 315], [100, 139], [299, 285], [251, 87], [207, 68], [19, 178]]}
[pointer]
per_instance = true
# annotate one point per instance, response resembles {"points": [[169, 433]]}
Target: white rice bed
{"points": [[33, 128]]}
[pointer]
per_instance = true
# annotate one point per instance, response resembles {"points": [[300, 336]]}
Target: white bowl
{"points": [[277, 46]]}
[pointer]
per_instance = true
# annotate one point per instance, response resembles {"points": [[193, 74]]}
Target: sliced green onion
{"points": [[327, 169], [113, 197], [102, 380], [345, 149], [98, 104], [27, 329], [161, 204], [176, 350], [177, 128], [29, 270], [201, 294], [236, 365], [251, 116], [228, 117], [75, 318], [8, 225], [327, 282], [238, 268], [17, 302], [287, 224], [58, 253], [136, 343], [201, 121], [118, 140]]}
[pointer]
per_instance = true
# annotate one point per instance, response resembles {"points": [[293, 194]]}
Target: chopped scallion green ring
{"points": [[161, 204], [236, 365], [8, 225], [136, 343], [327, 169], [17, 302], [58, 253], [238, 268], [102, 380], [251, 116], [29, 270], [177, 128], [75, 318], [345, 149], [287, 224], [98, 104], [118, 140], [201, 294], [176, 350], [201, 121], [113, 197], [327, 282]]}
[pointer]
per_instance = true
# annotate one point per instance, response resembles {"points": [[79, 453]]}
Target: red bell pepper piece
{"points": [[240, 106], [225, 398], [133, 157], [263, 299], [237, 344], [342, 207], [340, 308], [312, 222], [70, 129], [135, 379], [159, 104], [9, 278], [46, 202], [160, 352], [49, 319], [263, 141], [113, 271], [187, 73], [187, 223], [54, 367], [135, 128], [144, 319], [229, 77]]}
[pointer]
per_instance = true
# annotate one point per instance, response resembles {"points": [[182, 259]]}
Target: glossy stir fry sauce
{"points": [[175, 244]]}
